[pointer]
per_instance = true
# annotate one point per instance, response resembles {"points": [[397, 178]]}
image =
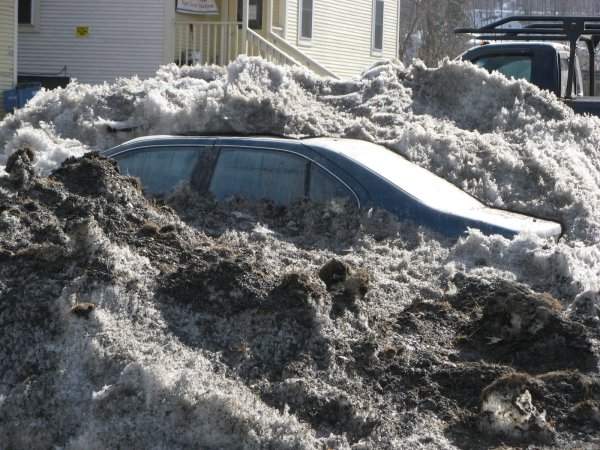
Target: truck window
{"points": [[511, 66], [564, 75]]}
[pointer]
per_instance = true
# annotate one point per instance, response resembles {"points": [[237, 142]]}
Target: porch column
{"points": [[16, 45], [270, 17], [224, 48], [246, 7]]}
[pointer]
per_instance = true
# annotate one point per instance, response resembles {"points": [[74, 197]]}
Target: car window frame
{"points": [[577, 87], [116, 152], [310, 161], [203, 171]]}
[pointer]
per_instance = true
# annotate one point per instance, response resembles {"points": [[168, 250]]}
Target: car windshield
{"points": [[412, 179]]}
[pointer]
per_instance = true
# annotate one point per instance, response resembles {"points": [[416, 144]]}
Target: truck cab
{"points": [[544, 64], [541, 50]]}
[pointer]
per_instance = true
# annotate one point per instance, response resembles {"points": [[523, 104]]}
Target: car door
{"points": [[280, 175]]}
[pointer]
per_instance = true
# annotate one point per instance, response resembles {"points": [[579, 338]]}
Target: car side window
{"points": [[515, 66], [160, 169], [255, 173], [324, 186]]}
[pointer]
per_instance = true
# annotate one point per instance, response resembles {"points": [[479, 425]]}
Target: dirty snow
{"points": [[182, 323]]}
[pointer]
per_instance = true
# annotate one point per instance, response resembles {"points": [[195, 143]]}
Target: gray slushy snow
{"points": [[504, 141]]}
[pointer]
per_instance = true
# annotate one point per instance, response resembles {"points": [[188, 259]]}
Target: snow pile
{"points": [[240, 325], [506, 142]]}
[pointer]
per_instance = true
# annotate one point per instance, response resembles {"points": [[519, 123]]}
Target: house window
{"points": [[255, 8], [305, 24], [377, 38], [28, 15], [26, 12]]}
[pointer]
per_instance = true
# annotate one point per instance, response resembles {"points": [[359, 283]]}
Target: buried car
{"points": [[286, 170]]}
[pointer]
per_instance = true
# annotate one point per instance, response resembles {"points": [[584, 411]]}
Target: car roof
{"points": [[191, 136], [349, 148], [208, 139], [556, 45]]}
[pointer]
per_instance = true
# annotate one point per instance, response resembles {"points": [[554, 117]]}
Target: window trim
{"points": [[301, 39], [34, 26], [377, 51], [577, 89], [309, 176]]}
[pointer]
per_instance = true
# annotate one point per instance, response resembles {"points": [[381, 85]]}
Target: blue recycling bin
{"points": [[10, 100], [19, 96]]}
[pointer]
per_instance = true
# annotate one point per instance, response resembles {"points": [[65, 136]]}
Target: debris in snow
{"points": [[82, 309], [530, 328]]}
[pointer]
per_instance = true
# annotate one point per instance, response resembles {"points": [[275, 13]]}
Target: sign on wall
{"points": [[82, 31], [197, 7]]}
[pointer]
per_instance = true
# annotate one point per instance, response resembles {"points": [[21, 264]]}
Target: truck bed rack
{"points": [[572, 29]]}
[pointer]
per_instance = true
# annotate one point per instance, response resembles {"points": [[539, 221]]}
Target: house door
{"points": [[254, 13]]}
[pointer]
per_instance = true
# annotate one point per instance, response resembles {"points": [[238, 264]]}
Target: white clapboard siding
{"points": [[342, 31], [7, 48], [277, 13], [126, 38]]}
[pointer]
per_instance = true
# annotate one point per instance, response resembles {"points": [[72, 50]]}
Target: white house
{"points": [[100, 40], [8, 44]]}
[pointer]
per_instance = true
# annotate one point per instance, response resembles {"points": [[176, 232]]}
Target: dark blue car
{"points": [[286, 170]]}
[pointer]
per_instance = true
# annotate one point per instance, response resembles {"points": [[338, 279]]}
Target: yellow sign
{"points": [[82, 31]]}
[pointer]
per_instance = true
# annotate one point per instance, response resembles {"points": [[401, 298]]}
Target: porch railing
{"points": [[259, 46], [207, 42], [221, 42], [278, 31]]}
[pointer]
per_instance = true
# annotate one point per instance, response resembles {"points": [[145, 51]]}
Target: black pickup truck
{"points": [[534, 48]]}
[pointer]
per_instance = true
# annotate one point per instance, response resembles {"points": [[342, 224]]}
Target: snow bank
{"points": [[267, 355], [506, 142]]}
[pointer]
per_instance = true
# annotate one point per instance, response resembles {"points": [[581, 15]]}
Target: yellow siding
{"points": [[342, 32], [7, 48]]}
